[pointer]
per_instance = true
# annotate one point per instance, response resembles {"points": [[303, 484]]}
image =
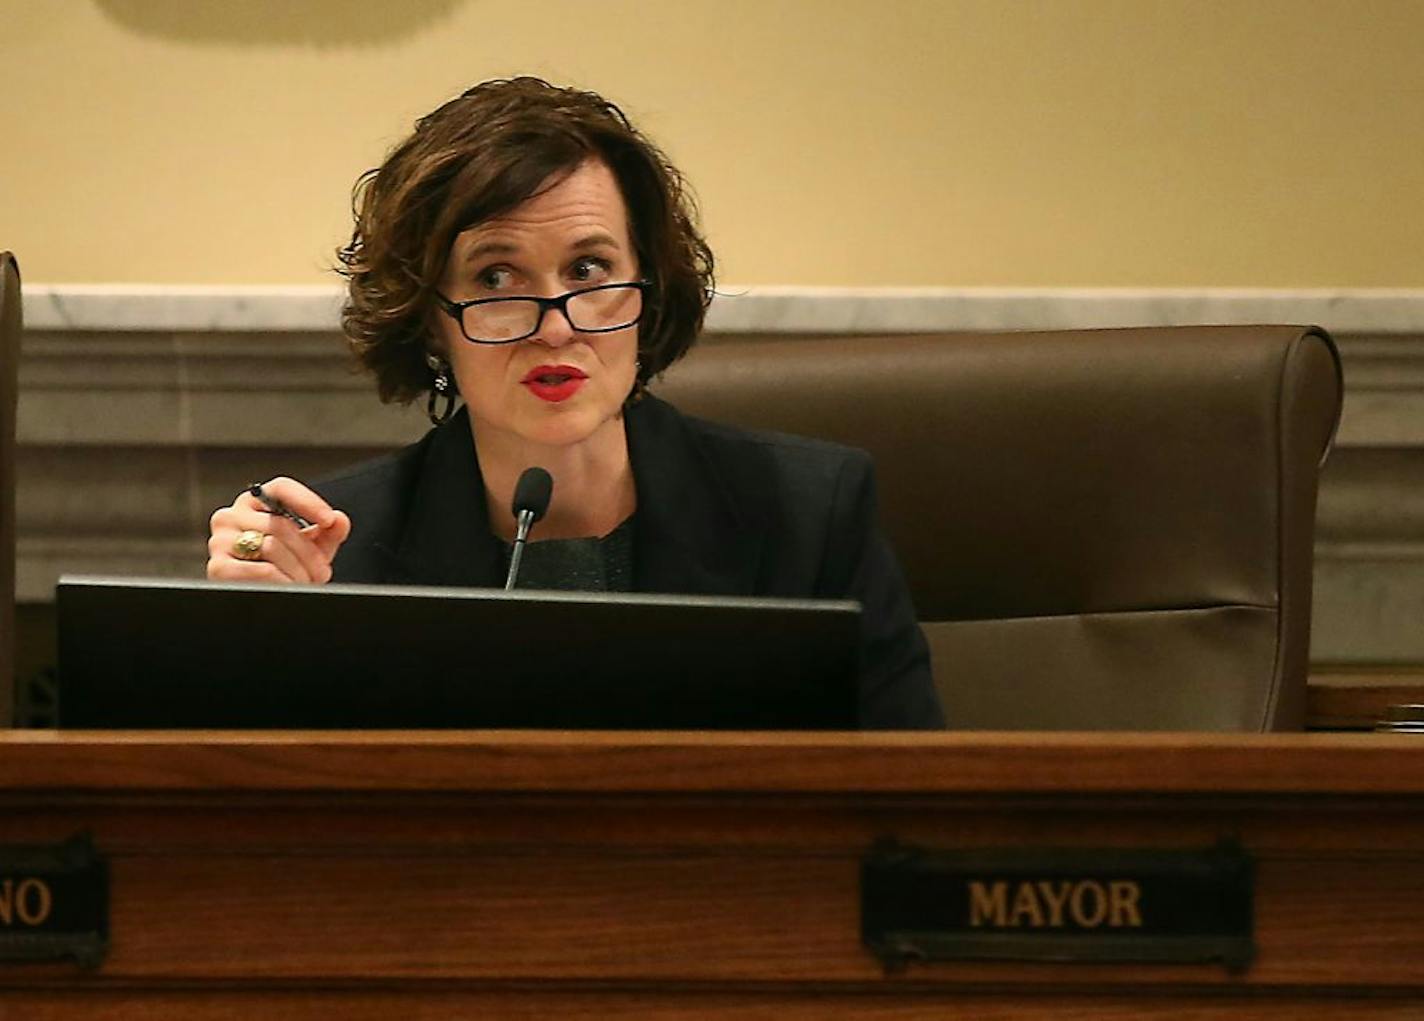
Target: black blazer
{"points": [[721, 511]]}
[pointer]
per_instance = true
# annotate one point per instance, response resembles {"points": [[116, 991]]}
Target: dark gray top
{"points": [[578, 565]]}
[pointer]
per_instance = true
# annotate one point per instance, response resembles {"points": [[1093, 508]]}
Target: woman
{"points": [[529, 250]]}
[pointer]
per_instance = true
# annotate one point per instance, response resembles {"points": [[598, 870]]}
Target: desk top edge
{"points": [[700, 763]]}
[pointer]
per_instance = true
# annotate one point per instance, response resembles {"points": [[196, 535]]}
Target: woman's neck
{"points": [[593, 482]]}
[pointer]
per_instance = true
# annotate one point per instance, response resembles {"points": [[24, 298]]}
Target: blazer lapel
{"points": [[691, 535], [446, 539]]}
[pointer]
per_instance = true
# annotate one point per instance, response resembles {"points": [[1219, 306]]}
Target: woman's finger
{"points": [[284, 545], [297, 498], [286, 556], [306, 544], [226, 568], [296, 553], [296, 556], [285, 537], [328, 539]]}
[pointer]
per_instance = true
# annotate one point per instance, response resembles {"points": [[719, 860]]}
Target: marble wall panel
{"points": [[1372, 496]]}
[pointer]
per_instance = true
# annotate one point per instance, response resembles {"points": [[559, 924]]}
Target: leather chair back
{"points": [[1102, 529], [10, 326]]}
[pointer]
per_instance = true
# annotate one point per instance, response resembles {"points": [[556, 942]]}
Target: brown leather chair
{"points": [[10, 325], [1102, 529]]}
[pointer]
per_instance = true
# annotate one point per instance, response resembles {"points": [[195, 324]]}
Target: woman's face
{"points": [[559, 386]]}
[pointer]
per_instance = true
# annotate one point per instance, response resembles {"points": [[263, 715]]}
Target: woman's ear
{"points": [[435, 343], [434, 332]]}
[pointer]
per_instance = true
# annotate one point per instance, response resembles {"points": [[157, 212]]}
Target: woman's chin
{"points": [[551, 423], [562, 430]]}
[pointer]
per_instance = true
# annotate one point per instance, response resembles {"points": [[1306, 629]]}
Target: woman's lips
{"points": [[554, 383]]}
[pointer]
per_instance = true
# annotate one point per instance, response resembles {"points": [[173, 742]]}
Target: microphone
{"points": [[531, 500]]}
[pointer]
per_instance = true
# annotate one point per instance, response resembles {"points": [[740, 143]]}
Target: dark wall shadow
{"points": [[315, 23]]}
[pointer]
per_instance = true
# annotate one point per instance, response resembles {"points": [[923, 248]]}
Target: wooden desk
{"points": [[672, 876], [1344, 698]]}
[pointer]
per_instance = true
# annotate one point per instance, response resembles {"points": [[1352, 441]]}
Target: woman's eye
{"points": [[494, 278], [589, 270]]}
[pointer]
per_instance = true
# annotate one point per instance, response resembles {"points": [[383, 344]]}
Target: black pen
{"points": [[274, 506]]}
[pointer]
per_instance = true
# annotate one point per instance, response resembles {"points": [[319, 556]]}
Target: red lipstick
{"points": [[554, 383]]}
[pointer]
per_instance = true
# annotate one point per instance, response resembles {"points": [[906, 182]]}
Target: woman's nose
{"points": [[554, 328]]}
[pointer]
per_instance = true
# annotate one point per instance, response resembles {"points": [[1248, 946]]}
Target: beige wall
{"points": [[941, 142]]}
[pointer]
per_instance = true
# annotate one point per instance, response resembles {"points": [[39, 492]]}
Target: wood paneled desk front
{"points": [[596, 875]]}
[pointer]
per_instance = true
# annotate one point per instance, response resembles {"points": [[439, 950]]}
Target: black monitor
{"points": [[140, 653]]}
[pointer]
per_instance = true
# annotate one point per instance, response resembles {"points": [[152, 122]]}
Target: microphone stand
{"points": [[524, 522]]}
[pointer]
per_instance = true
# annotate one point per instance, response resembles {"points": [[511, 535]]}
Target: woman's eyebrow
{"points": [[599, 239], [480, 249]]}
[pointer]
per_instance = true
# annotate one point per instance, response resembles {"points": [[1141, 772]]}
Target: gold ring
{"points": [[248, 545]]}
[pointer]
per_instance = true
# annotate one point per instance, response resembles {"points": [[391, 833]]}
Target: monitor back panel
{"points": [[159, 654]]}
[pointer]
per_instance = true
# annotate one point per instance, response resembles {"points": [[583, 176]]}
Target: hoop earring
{"points": [[440, 388], [640, 388]]}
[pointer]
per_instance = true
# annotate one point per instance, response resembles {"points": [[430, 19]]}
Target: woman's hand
{"points": [[274, 548]]}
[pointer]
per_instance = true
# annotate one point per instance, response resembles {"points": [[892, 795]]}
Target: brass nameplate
{"points": [[54, 903], [1058, 905]]}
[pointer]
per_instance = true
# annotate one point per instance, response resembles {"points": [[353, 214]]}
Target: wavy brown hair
{"points": [[479, 156]]}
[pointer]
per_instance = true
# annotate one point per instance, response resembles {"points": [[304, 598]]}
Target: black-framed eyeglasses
{"points": [[601, 309]]}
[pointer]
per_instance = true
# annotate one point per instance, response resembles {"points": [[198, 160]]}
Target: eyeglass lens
{"points": [[607, 308]]}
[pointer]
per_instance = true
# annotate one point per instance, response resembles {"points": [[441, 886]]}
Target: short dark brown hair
{"points": [[479, 156]]}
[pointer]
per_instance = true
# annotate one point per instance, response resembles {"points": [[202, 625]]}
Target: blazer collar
{"points": [[447, 539], [690, 534]]}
